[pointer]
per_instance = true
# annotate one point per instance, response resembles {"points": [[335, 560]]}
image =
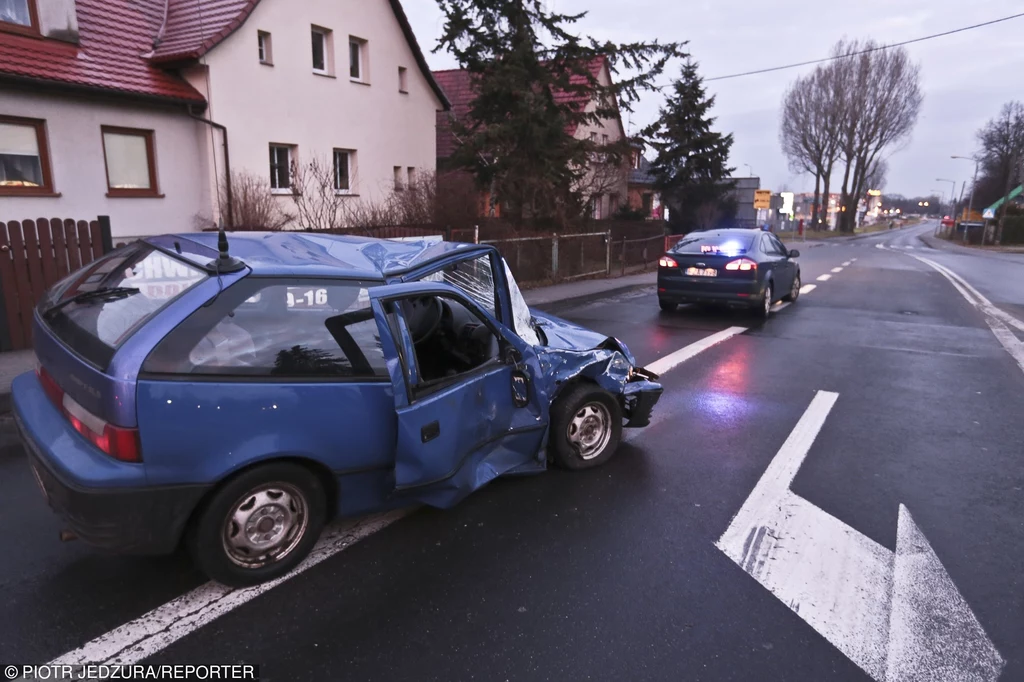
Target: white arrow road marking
{"points": [[824, 278], [898, 616], [837, 270], [673, 360], [996, 318], [808, 288], [166, 624]]}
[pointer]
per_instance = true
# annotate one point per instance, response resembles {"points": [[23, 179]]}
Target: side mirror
{"points": [[512, 356], [794, 254]]}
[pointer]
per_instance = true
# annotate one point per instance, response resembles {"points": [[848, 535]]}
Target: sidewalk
{"points": [[1010, 253]]}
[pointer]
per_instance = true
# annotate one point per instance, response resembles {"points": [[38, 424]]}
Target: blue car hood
{"points": [[564, 335]]}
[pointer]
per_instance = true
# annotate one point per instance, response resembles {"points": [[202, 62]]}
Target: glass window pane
{"points": [[319, 59], [355, 52], [20, 165], [723, 243], [341, 170], [15, 12], [476, 278], [127, 161], [297, 329]]}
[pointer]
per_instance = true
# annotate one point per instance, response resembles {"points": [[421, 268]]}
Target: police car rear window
{"points": [[726, 244]]}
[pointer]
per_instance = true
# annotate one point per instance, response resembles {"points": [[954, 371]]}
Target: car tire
{"points": [[284, 502], [762, 310], [586, 427], [794, 292], [667, 307]]}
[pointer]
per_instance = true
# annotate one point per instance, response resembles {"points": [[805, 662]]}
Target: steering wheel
{"points": [[423, 315]]}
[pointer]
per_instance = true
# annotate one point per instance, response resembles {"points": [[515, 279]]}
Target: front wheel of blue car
{"points": [[259, 525], [586, 426]]}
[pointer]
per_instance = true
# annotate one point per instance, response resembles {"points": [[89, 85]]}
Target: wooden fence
{"points": [[35, 255]]}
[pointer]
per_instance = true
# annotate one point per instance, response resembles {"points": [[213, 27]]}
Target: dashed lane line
{"points": [[837, 270], [808, 288], [847, 264], [824, 278]]}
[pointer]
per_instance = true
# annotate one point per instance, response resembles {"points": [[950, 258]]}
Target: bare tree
{"points": [[318, 204], [810, 116], [252, 205], [1002, 157], [881, 100]]}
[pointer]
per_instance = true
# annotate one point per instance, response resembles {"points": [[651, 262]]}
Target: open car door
{"points": [[468, 407]]}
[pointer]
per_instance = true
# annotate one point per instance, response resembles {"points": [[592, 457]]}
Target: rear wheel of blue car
{"points": [[586, 426], [259, 525]]}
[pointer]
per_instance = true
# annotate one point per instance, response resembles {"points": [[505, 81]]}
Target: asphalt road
{"points": [[614, 574]]}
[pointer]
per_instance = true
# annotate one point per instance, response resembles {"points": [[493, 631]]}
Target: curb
{"points": [[588, 298]]}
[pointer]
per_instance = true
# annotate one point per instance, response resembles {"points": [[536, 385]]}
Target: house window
{"points": [[19, 16], [403, 80], [280, 167], [648, 204], [357, 59], [593, 137], [343, 163], [595, 207], [399, 185], [323, 51], [131, 163], [24, 162], [266, 48], [604, 140], [412, 177], [636, 160]]}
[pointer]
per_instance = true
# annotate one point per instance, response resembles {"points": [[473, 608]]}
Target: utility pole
{"points": [[974, 184], [1006, 197]]}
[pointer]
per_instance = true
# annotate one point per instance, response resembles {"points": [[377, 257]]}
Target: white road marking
{"points": [[673, 360], [837, 270], [853, 260], [808, 288], [911, 248], [166, 624], [880, 246], [897, 615], [781, 305], [996, 318], [847, 264], [824, 278]]}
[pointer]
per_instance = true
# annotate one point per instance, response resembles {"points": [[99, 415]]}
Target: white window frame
{"points": [[291, 149], [362, 60], [350, 158], [327, 38], [266, 48]]}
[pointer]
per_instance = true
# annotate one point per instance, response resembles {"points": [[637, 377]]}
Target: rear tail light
{"points": [[743, 264], [667, 262], [116, 441]]}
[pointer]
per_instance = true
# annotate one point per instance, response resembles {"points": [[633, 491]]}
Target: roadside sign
{"points": [[989, 214], [762, 199]]}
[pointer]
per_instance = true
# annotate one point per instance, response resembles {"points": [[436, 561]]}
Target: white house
{"points": [[136, 109]]}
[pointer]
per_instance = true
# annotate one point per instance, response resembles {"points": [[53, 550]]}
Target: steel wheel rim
{"points": [[767, 300], [265, 525], [590, 430], [796, 287]]}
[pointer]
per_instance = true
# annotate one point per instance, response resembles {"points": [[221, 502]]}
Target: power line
{"points": [[873, 49]]}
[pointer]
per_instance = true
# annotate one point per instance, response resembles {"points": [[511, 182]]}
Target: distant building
{"points": [[642, 194], [743, 193]]}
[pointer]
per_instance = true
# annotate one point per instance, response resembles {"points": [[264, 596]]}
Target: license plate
{"points": [[702, 272]]}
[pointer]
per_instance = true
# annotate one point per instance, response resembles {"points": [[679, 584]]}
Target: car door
{"points": [[457, 429], [789, 263], [781, 266]]}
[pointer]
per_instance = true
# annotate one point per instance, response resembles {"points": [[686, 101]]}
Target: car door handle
{"points": [[430, 431]]}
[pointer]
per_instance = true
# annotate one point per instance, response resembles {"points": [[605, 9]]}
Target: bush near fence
{"points": [[1013, 231]]}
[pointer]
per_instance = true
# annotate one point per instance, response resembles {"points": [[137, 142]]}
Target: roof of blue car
{"points": [[323, 255]]}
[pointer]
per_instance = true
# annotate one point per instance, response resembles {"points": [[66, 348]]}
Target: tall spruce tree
{"points": [[691, 168], [534, 86]]}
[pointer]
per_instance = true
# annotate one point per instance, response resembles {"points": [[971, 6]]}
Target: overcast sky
{"points": [[966, 77]]}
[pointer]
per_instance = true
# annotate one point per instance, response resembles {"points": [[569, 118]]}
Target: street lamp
{"points": [[974, 183], [952, 195]]}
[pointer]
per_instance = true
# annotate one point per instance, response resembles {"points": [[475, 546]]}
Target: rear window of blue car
{"points": [[278, 329], [715, 243], [94, 325]]}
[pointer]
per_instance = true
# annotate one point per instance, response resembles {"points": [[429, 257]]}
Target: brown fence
{"points": [[35, 255]]}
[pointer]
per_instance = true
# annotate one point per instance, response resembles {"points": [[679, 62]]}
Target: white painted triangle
{"points": [[933, 634]]}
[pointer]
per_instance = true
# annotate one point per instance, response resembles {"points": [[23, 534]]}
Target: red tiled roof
{"points": [[114, 36], [458, 85], [196, 26]]}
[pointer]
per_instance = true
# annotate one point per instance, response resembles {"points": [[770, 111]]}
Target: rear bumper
{"points": [[744, 293], [136, 519]]}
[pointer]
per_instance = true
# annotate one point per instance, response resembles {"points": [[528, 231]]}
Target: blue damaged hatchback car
{"points": [[238, 401]]}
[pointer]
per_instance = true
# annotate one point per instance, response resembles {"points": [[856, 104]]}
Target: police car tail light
{"points": [[743, 264], [667, 262], [116, 441]]}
